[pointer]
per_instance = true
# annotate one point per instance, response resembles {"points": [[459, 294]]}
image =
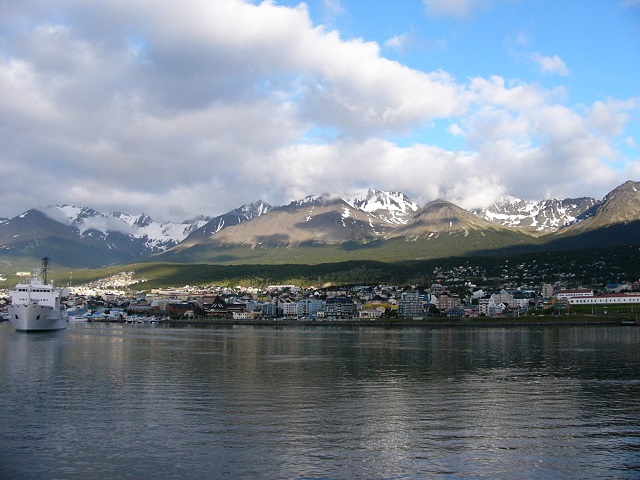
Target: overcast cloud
{"points": [[196, 107]]}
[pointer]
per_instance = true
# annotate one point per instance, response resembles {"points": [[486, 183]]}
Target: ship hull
{"points": [[36, 318]]}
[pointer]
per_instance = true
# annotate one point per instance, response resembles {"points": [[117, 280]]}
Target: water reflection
{"points": [[132, 401]]}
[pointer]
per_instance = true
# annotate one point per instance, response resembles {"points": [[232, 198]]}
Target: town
{"points": [[452, 294]]}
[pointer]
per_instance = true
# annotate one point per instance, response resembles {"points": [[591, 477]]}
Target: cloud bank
{"points": [[196, 107]]}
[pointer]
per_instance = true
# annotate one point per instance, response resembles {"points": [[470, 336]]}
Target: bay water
{"points": [[103, 401]]}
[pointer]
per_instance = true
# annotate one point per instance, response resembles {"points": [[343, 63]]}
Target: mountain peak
{"points": [[441, 216], [392, 207], [621, 205], [539, 216], [362, 220]]}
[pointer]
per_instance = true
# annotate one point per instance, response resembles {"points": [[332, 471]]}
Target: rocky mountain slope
{"points": [[81, 236], [543, 216], [391, 207], [229, 219], [620, 206], [365, 224], [151, 235], [441, 216], [361, 216]]}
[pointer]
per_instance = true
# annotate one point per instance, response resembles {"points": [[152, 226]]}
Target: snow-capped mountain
{"points": [[360, 216], [541, 216], [391, 207], [317, 219], [620, 206], [366, 220], [234, 217], [155, 236], [84, 237]]}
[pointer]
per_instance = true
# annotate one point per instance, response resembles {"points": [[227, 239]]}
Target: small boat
{"points": [[36, 306]]}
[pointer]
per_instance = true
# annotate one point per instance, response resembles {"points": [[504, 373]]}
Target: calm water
{"points": [[137, 401]]}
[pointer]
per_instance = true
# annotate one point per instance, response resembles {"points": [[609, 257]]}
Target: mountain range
{"points": [[366, 224]]}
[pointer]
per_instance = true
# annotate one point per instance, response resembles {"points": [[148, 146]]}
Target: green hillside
{"points": [[588, 267], [440, 245]]}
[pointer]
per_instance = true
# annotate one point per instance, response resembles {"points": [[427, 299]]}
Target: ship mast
{"points": [[45, 269]]}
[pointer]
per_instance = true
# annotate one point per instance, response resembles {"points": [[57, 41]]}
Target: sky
{"points": [[196, 107]]}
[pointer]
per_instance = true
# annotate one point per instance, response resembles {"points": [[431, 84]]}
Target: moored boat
{"points": [[36, 306]]}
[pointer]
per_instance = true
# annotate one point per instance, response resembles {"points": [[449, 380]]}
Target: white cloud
{"points": [[552, 65], [333, 7], [456, 8], [196, 107], [476, 191], [397, 42], [611, 117]]}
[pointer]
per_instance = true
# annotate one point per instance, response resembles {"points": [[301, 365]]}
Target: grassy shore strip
{"points": [[406, 322]]}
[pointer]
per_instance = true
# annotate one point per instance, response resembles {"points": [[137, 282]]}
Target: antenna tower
{"points": [[45, 269]]}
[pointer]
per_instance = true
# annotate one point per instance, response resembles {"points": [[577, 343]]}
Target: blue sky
{"points": [[196, 107]]}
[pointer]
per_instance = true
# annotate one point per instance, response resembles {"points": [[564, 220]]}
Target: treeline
{"points": [[589, 267]]}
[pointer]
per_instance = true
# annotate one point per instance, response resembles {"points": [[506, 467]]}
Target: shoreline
{"points": [[436, 322]]}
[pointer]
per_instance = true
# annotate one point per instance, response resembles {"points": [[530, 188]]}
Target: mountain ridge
{"points": [[354, 222]]}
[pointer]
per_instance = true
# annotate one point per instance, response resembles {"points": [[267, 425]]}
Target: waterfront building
{"points": [[371, 313], [583, 292], [339, 307], [411, 305], [289, 309], [218, 307], [271, 310], [309, 307], [608, 299], [447, 302]]}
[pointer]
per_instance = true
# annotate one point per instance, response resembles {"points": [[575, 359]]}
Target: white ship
{"points": [[36, 306]]}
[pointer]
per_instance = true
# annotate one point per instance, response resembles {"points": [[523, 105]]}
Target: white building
{"points": [[309, 307], [583, 292], [375, 313], [289, 309], [490, 307], [505, 297], [609, 299], [411, 305]]}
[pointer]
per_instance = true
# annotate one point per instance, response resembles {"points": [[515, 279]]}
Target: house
{"points": [[489, 307], [505, 297]]}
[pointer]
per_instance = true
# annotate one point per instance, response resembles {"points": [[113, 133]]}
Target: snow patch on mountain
{"points": [[542, 216], [156, 236], [392, 207]]}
